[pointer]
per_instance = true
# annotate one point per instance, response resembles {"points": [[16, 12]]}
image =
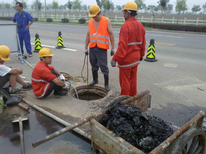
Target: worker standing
{"points": [[22, 18], [130, 50], [46, 79], [98, 36]]}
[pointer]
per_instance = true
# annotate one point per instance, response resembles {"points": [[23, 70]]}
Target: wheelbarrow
{"points": [[190, 138]]}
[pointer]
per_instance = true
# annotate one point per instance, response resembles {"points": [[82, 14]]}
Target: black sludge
{"points": [[130, 123]]}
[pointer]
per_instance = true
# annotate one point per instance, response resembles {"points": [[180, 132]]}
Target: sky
{"points": [[190, 3]]}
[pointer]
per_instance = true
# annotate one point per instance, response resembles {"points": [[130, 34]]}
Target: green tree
{"points": [[69, 5], [204, 8], [157, 8], [180, 6], [163, 4], [140, 4], [61, 7], [119, 7], [25, 4], [106, 4], [55, 6], [7, 6], [35, 6], [169, 8], [151, 8], [196, 8], [112, 6], [99, 3], [204, 11], [84, 7], [77, 5], [0, 6]]}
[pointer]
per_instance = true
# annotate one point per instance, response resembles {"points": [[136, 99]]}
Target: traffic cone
{"points": [[60, 43], [151, 52], [37, 43]]}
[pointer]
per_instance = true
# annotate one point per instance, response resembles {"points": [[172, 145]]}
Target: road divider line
{"points": [[49, 46], [165, 36]]}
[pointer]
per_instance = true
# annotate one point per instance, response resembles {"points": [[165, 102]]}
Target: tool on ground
{"points": [[13, 100], [62, 131], [20, 121], [61, 121]]}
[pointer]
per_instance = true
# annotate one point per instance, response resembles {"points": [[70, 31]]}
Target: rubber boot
{"points": [[106, 82], [95, 78]]}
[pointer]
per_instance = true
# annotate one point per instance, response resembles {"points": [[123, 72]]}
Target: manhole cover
{"points": [[89, 92]]}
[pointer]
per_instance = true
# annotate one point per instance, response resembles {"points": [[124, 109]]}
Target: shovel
{"points": [[20, 121]]}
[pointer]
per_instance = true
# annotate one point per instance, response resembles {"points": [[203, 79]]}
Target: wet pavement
{"points": [[178, 114], [69, 143], [39, 127]]}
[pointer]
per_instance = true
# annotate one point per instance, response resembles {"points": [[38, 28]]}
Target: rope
{"points": [[77, 78]]}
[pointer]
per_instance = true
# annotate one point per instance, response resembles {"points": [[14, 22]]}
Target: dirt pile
{"points": [[142, 131]]}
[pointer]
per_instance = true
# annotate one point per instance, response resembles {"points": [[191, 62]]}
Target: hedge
{"points": [[6, 18], [36, 19], [178, 27], [82, 21], [65, 20], [49, 19]]}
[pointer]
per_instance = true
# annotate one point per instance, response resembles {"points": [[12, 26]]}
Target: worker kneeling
{"points": [[46, 78]]}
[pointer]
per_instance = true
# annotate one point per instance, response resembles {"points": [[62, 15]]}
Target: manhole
{"points": [[89, 92]]}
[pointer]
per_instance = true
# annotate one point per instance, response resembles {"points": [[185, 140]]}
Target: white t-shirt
{"points": [[4, 70]]}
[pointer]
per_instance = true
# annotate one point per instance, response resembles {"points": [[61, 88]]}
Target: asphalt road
{"points": [[176, 81], [178, 77]]}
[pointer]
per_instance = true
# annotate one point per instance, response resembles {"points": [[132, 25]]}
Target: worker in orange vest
{"points": [[46, 79], [130, 50], [98, 36]]}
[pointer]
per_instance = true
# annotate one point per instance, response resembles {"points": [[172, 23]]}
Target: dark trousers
{"points": [[52, 86], [98, 58], [4, 80]]}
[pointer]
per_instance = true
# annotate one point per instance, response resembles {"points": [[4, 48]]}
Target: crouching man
{"points": [[45, 78], [10, 75]]}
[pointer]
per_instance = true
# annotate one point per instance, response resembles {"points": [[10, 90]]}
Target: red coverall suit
{"points": [[41, 76], [131, 48]]}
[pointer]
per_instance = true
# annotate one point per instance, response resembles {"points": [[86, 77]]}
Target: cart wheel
{"points": [[117, 99], [191, 142]]}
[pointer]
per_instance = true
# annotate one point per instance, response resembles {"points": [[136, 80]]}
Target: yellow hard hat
{"points": [[45, 52], [132, 6], [4, 53], [94, 10]]}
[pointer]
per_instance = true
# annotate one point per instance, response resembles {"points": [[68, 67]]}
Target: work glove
{"points": [[113, 63], [67, 85], [61, 77], [112, 52], [141, 59], [86, 52]]}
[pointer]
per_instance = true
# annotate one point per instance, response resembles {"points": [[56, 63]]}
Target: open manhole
{"points": [[89, 92]]}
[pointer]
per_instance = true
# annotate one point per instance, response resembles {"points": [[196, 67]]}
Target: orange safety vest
{"points": [[101, 37]]}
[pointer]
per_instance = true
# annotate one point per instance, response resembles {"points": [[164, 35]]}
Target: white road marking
{"points": [[49, 46], [165, 36]]}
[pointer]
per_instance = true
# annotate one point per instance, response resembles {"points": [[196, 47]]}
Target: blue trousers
{"points": [[25, 36], [98, 58]]}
